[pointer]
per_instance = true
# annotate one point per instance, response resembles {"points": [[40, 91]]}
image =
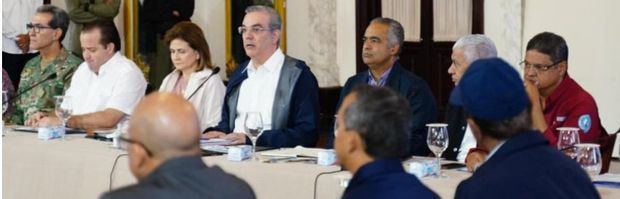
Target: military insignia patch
{"points": [[585, 122]]}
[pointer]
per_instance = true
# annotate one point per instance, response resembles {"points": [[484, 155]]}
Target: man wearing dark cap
{"points": [[371, 134], [520, 163]]}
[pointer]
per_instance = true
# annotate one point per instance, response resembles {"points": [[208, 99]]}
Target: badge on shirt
{"points": [[560, 118], [585, 122]]}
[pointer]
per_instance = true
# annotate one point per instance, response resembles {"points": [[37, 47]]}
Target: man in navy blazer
{"points": [[383, 41], [372, 127], [520, 164], [281, 88]]}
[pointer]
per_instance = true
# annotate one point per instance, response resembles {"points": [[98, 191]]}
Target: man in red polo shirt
{"points": [[557, 100]]}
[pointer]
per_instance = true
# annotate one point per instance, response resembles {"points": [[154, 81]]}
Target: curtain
{"points": [[452, 19], [407, 12]]}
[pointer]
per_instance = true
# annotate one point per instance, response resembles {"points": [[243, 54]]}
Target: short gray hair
{"points": [[60, 18], [275, 22], [476, 47], [396, 33], [382, 118]]}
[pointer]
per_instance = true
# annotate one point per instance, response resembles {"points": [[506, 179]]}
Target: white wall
{"points": [[210, 16], [346, 39]]}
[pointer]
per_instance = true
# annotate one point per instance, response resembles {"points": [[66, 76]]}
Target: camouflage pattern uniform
{"points": [[41, 97]]}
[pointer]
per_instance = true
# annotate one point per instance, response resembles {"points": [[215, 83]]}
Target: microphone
{"points": [[51, 76], [215, 71]]}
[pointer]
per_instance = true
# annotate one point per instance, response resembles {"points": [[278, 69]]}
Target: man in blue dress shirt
{"points": [[373, 125], [520, 164], [383, 41]]}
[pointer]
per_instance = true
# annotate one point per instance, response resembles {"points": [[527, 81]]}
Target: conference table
{"points": [[79, 167]]}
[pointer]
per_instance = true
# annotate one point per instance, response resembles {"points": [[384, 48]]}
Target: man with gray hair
{"points": [[48, 74], [383, 41], [465, 51], [281, 88], [372, 129]]}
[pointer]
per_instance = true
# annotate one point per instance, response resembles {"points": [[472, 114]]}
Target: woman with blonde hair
{"points": [[195, 77]]}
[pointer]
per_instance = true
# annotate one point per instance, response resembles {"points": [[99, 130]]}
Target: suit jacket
{"points": [[417, 93], [457, 124], [295, 112], [385, 178], [185, 177], [525, 166]]}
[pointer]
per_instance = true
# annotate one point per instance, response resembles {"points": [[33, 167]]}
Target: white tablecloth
{"points": [[80, 168]]}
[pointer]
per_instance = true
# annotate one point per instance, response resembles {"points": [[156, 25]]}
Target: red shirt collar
{"points": [[567, 84]]}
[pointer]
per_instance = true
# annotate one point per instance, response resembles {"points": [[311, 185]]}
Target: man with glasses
{"points": [[166, 158], [557, 100], [49, 73], [281, 88]]}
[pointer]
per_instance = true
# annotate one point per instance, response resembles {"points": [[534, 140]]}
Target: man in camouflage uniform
{"points": [[46, 30]]}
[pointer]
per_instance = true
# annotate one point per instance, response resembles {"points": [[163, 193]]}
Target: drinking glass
{"points": [[567, 139], [253, 128], [437, 140], [64, 109], [589, 157]]}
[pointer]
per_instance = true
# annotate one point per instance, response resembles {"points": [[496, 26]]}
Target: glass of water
{"points": [[589, 157], [64, 109], [253, 128], [567, 139], [437, 141]]}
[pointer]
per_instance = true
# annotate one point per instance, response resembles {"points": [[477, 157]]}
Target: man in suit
{"points": [[372, 130], [281, 88], [465, 51], [520, 163], [164, 155], [383, 41]]}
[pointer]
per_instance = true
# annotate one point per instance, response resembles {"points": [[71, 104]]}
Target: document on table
{"points": [[607, 180], [294, 152]]}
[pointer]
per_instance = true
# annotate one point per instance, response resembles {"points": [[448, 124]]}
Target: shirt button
{"points": [[455, 149], [463, 128]]}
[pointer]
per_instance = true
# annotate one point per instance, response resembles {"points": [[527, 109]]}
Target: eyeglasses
{"points": [[253, 30], [125, 142], [37, 28], [537, 67]]}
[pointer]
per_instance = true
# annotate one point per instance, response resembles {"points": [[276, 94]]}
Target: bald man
{"points": [[164, 155]]}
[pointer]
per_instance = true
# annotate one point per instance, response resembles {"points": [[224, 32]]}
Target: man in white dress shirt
{"points": [[281, 88], [107, 86], [462, 145]]}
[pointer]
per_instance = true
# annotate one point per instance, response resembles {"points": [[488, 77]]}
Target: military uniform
{"points": [[41, 97]]}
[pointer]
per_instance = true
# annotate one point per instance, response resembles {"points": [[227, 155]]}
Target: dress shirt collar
{"points": [[382, 79], [567, 84], [272, 64], [108, 64], [492, 152]]}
